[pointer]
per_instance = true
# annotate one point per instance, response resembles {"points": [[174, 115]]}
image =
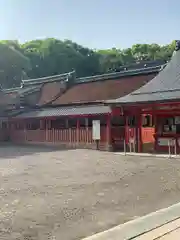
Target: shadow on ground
{"points": [[9, 150]]}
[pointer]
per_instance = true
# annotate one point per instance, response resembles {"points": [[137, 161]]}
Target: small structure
{"points": [[152, 112], [60, 110]]}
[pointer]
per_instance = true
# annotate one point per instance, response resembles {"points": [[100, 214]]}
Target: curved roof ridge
{"points": [[161, 91], [41, 80], [130, 72], [163, 87]]}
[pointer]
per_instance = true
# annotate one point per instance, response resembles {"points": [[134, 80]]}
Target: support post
{"points": [[139, 137], [46, 130], [126, 135], [87, 128], [124, 147], [108, 132], [154, 117], [169, 147], [172, 147], [175, 147], [41, 127], [25, 132], [77, 131]]}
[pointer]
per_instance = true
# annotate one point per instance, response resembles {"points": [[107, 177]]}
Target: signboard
{"points": [[96, 130], [177, 120], [166, 142]]}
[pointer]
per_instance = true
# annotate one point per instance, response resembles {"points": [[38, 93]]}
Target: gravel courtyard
{"points": [[68, 195]]}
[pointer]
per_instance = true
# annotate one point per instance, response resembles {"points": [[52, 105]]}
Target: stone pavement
{"points": [[177, 156], [166, 232], [161, 225]]}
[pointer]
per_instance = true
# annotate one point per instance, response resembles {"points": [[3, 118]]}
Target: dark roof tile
{"points": [[55, 78], [164, 87], [115, 75], [103, 90], [65, 111]]}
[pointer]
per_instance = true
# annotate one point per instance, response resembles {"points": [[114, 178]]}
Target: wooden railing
{"points": [[82, 135]]}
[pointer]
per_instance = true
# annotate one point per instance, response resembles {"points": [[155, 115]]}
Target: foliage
{"points": [[51, 56], [13, 65]]}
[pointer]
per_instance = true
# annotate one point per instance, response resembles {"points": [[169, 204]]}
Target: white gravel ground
{"points": [[68, 195]]}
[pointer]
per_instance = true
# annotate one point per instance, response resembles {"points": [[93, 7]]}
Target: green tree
{"points": [[51, 56], [110, 59], [13, 65], [127, 56]]}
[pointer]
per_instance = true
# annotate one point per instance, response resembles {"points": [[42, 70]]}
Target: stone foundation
{"points": [[60, 145]]}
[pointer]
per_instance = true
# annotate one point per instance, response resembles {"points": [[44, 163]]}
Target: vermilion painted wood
{"points": [[147, 134], [81, 135]]}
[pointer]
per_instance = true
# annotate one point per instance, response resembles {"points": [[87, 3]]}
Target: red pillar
{"points": [[108, 133], [126, 135], [45, 129], [77, 131], [156, 130], [139, 138]]}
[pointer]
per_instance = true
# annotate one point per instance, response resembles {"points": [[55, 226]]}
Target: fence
{"points": [[82, 135]]}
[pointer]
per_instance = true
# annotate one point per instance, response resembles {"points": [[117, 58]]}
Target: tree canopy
{"points": [[39, 58]]}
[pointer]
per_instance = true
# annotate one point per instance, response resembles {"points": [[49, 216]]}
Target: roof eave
{"points": [[142, 102], [119, 74], [73, 104]]}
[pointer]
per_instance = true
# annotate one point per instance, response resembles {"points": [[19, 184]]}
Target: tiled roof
{"points": [[29, 89], [14, 112], [21, 91], [125, 73], [55, 78], [6, 99], [11, 90], [55, 90], [103, 90], [65, 111], [143, 64], [165, 86], [50, 91]]}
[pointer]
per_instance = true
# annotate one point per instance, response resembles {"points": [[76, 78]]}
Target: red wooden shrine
{"points": [[136, 111]]}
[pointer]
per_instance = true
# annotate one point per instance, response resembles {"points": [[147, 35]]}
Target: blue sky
{"points": [[95, 23]]}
